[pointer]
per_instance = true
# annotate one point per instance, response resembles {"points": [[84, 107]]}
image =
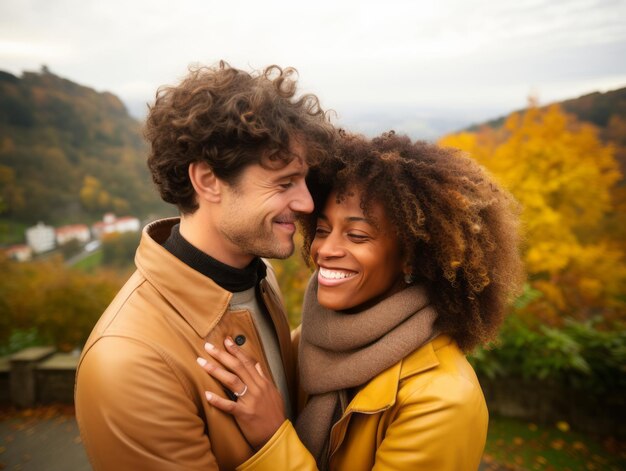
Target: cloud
{"points": [[34, 49], [452, 54]]}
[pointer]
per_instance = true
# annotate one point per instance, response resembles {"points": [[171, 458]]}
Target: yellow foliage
{"points": [[562, 426], [95, 198], [564, 177]]}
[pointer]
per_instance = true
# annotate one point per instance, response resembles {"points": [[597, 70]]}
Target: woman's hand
{"points": [[258, 407]]}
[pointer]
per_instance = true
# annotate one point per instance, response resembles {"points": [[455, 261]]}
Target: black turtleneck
{"points": [[229, 278]]}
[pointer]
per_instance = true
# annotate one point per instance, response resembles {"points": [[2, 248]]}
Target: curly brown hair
{"points": [[457, 228], [230, 119]]}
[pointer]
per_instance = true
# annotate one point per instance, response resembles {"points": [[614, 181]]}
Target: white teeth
{"points": [[334, 275]]}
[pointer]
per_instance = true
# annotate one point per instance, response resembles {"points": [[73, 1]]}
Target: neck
{"points": [[202, 233], [232, 279]]}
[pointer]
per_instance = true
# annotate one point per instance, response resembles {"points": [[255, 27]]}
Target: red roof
{"points": [[72, 228]]}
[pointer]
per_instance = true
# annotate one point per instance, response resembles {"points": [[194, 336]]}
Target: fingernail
{"points": [[201, 361], [228, 342], [208, 346], [208, 395]]}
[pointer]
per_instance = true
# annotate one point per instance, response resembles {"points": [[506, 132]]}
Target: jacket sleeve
{"points": [[283, 451], [442, 427], [135, 413]]}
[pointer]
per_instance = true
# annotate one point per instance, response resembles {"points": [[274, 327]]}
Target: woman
{"points": [[415, 250]]}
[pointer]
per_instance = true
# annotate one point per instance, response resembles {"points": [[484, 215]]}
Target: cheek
{"points": [[384, 266]]}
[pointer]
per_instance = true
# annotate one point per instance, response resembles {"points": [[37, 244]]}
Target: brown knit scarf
{"points": [[339, 351]]}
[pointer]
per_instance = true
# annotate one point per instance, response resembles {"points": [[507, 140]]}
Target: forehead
{"points": [[295, 167], [351, 203], [294, 160]]}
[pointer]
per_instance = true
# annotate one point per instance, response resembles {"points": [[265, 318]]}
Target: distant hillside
{"points": [[605, 110], [69, 153], [597, 108]]}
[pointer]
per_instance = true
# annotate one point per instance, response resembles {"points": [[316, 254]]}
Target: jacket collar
{"points": [[198, 299], [381, 392]]}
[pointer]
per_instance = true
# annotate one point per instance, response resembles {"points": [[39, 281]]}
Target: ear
{"points": [[208, 187]]}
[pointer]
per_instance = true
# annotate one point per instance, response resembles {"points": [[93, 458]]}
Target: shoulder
{"points": [[135, 312], [445, 377], [439, 410], [130, 343]]}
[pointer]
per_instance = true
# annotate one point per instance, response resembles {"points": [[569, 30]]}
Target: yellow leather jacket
{"points": [[427, 412], [139, 395]]}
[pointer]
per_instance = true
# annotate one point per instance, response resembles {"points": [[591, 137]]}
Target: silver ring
{"points": [[241, 394]]}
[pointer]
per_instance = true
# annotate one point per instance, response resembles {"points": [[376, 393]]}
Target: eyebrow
{"points": [[350, 219], [291, 175]]}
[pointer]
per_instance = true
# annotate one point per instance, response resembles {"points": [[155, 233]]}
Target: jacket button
{"points": [[240, 340]]}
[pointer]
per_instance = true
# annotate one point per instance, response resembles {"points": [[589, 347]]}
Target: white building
{"points": [[40, 237], [79, 232], [128, 224], [19, 253], [111, 224]]}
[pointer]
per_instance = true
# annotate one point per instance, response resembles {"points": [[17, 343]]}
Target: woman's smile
{"points": [[357, 256], [333, 277]]}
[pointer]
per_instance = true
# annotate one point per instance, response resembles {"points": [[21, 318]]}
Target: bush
{"points": [[118, 250], [51, 303], [578, 354]]}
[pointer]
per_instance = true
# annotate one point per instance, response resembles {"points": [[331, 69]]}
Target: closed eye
{"points": [[321, 232], [358, 238]]}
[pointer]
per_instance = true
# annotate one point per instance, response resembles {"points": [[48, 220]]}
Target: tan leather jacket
{"points": [[427, 413], [139, 395]]}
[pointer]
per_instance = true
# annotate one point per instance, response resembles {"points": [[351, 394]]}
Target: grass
{"points": [[12, 232], [90, 262], [521, 445]]}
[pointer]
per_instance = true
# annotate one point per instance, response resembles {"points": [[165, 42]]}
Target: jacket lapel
{"points": [[381, 392], [199, 300]]}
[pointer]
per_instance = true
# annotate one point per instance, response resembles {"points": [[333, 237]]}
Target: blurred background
{"points": [[534, 90]]}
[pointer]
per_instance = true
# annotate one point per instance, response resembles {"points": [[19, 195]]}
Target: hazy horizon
{"points": [[449, 62]]}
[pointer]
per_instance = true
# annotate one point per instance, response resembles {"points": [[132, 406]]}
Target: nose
{"points": [[302, 202], [328, 247]]}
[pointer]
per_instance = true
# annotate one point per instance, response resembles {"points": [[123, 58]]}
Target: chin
{"points": [[282, 254], [287, 250]]}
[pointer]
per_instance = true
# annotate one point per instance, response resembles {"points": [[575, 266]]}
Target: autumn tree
{"points": [[11, 195], [563, 175], [94, 197], [61, 303], [73, 153]]}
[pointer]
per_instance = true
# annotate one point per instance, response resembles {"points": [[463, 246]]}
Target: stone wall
{"points": [[547, 402], [5, 397], [37, 375], [55, 379]]}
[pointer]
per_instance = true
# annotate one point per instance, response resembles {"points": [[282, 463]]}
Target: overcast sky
{"points": [[394, 62]]}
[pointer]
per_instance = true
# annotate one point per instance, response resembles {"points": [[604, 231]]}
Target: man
{"points": [[231, 150]]}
